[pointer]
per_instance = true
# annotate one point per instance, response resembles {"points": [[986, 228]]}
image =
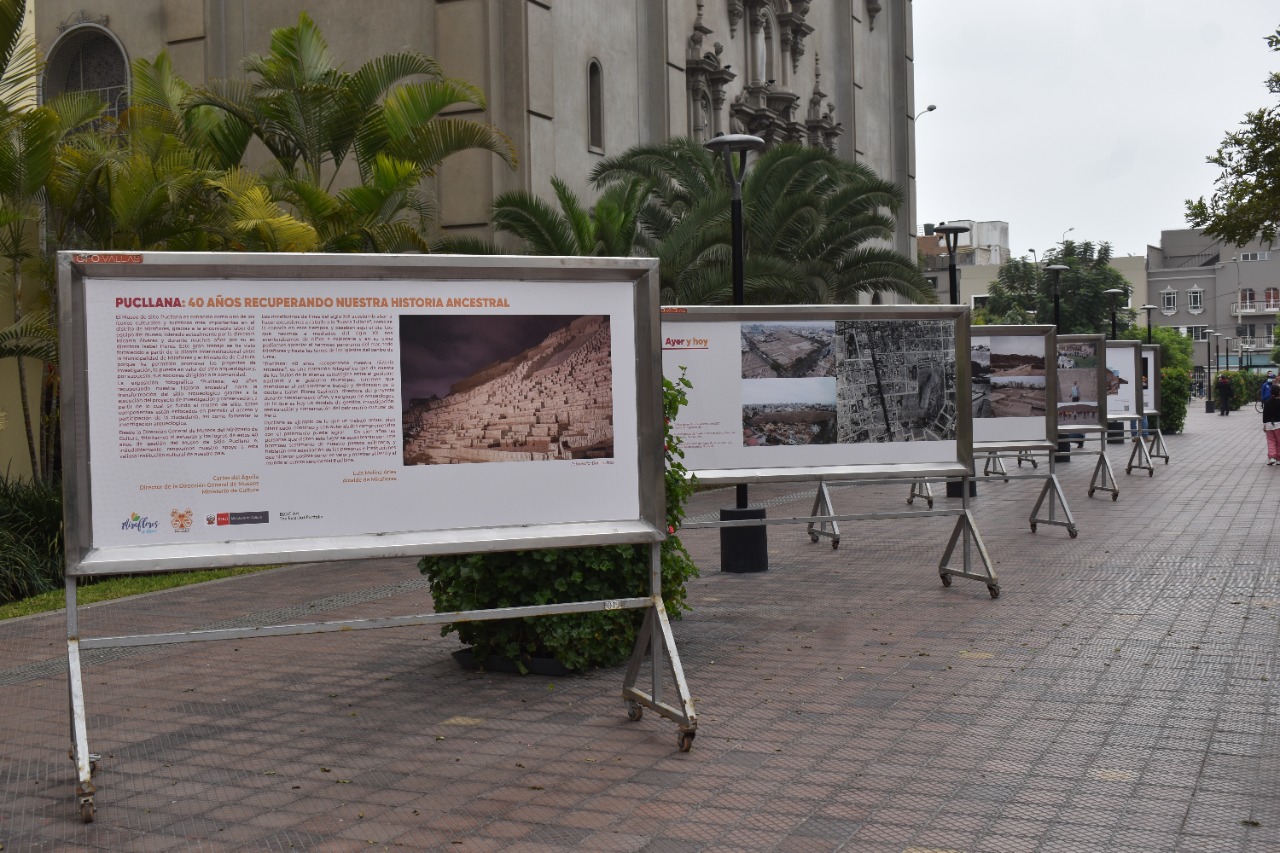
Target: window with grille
{"points": [[1169, 301], [89, 60], [1195, 301]]}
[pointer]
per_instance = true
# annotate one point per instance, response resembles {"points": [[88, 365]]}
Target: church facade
{"points": [[570, 81]]}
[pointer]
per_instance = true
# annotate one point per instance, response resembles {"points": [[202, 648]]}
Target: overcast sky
{"points": [[1095, 115]]}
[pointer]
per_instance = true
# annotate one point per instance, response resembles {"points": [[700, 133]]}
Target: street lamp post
{"points": [[1113, 292], [951, 233], [1148, 308], [742, 549], [927, 109], [1208, 371], [1057, 269]]}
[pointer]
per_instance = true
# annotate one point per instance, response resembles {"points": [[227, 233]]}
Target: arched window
{"points": [[595, 106], [1272, 298], [89, 59], [1247, 298]]}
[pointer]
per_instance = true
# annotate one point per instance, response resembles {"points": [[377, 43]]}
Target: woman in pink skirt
{"points": [[1271, 422]]}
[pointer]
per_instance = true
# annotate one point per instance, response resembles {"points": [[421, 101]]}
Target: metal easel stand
{"points": [[995, 464], [1139, 457], [1156, 448], [920, 489], [828, 526], [966, 535], [654, 637], [654, 640], [1052, 491], [1104, 479], [823, 521]]}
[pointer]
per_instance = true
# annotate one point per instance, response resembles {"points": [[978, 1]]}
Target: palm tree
{"points": [[313, 118], [608, 229], [29, 140], [817, 227]]}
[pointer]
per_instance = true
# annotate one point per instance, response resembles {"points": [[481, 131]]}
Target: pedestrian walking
{"points": [[1271, 422]]}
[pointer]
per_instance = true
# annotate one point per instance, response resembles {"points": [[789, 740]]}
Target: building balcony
{"points": [[1249, 309]]}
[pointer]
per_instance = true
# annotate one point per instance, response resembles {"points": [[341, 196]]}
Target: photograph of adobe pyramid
{"points": [[527, 388]]}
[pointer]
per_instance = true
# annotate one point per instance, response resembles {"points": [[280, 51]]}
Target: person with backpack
{"points": [[1264, 393], [1271, 421]]}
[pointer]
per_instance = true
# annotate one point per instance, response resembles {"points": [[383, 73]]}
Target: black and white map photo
{"points": [[895, 380]]}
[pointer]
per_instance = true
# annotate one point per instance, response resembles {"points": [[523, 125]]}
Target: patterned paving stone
{"points": [[1118, 696]]}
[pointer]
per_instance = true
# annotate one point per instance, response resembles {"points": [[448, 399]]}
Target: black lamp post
{"points": [[951, 233], [742, 549], [1057, 269], [1148, 308], [1208, 371], [1114, 292]]}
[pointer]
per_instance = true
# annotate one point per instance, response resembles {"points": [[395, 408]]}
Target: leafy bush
{"points": [[1240, 393], [1175, 394], [554, 575], [31, 545]]}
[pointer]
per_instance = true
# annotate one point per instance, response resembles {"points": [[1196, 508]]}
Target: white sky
{"points": [[1095, 115]]}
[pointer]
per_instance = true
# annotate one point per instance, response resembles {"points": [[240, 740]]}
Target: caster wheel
{"points": [[86, 811], [685, 741], [1035, 464], [634, 712], [994, 590], [813, 537], [1115, 496], [930, 504], [1073, 533], [946, 579], [1091, 493], [835, 544], [910, 501], [1151, 473], [93, 767], [1033, 528], [1166, 461]]}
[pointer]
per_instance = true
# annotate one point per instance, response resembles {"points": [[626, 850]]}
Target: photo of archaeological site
{"points": [[1078, 383], [788, 350], [895, 380], [528, 388], [1008, 376], [788, 411]]}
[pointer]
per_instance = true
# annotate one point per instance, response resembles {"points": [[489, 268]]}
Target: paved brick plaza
{"points": [[1119, 696]]}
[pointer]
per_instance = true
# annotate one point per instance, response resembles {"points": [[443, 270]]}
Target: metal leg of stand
{"points": [[994, 465], [920, 489], [80, 754], [1107, 482], [1156, 449], [1143, 459], [822, 505], [965, 529], [1052, 492], [655, 636]]}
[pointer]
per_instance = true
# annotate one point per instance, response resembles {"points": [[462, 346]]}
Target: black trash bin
{"points": [[744, 549]]}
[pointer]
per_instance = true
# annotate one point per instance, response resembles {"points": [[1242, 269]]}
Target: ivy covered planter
{"points": [[578, 641]]}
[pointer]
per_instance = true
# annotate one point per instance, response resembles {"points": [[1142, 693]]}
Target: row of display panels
{"points": [[221, 409]]}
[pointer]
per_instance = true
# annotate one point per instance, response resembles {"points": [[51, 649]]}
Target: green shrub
{"points": [[31, 547], [555, 575], [1175, 394], [1240, 394]]}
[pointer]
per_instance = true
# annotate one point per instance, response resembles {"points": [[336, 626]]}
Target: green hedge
{"points": [[31, 545]]}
